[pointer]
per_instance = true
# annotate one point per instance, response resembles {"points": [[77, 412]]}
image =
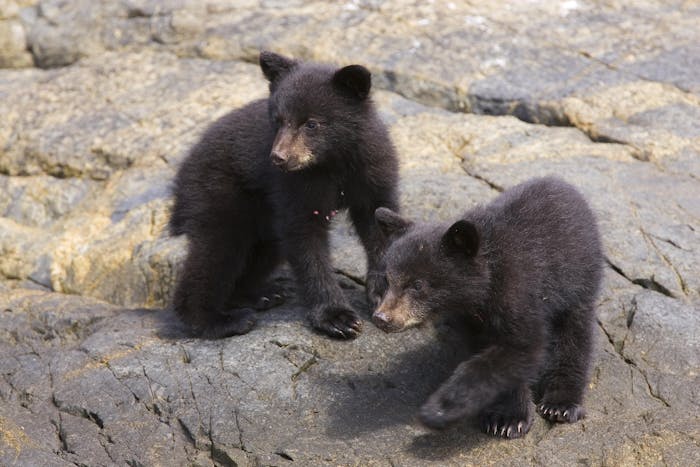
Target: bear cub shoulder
{"points": [[524, 271]]}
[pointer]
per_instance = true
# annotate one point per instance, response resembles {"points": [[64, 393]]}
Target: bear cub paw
{"points": [[337, 321], [439, 413], [259, 299], [237, 322], [565, 413], [510, 427], [265, 302]]}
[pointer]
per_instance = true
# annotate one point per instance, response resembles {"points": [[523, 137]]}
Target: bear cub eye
{"points": [[418, 285], [311, 124]]}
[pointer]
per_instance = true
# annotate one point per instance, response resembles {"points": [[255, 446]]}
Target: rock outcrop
{"points": [[100, 101]]}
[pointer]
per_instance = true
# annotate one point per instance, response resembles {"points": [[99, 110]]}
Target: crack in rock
{"points": [[632, 363], [644, 282], [80, 412], [304, 367], [630, 316], [684, 287], [670, 242], [284, 455], [651, 284], [240, 431], [187, 433], [492, 185]]}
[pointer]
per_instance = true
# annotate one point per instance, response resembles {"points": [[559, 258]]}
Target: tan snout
{"points": [[289, 150], [392, 315]]}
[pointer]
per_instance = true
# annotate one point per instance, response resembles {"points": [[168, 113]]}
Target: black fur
{"points": [[262, 186], [524, 272]]}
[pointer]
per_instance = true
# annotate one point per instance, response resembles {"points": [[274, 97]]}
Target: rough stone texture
{"points": [[478, 98], [13, 41]]}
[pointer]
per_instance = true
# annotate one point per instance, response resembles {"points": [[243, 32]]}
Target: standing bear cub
{"points": [[523, 272], [263, 185]]}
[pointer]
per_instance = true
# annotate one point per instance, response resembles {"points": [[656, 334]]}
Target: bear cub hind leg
{"points": [[559, 391], [208, 277], [254, 288]]}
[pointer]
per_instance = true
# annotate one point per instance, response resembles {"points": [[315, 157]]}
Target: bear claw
{"points": [[563, 413], [505, 427], [228, 324], [339, 322], [266, 302]]}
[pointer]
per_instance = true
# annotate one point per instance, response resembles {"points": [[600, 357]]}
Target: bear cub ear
{"points": [[353, 81], [275, 66], [462, 238], [390, 223]]}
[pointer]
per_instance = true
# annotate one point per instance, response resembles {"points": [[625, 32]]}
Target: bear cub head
{"points": [[430, 268], [315, 111]]}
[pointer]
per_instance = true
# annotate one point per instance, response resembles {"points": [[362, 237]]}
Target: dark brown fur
{"points": [[524, 272], [262, 186]]}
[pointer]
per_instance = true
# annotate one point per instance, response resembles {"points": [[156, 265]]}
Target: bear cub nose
{"points": [[380, 319], [278, 158]]}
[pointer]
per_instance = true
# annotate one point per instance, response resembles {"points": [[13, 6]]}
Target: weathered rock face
{"points": [[94, 372], [13, 36]]}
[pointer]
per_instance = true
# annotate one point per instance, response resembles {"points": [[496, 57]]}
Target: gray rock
{"points": [[478, 97]]}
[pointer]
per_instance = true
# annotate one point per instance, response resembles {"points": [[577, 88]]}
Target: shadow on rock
{"points": [[171, 327], [392, 396], [442, 445]]}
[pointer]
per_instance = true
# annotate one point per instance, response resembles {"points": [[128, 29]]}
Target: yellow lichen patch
{"points": [[475, 140], [105, 360], [13, 437], [609, 113], [650, 449], [71, 248]]}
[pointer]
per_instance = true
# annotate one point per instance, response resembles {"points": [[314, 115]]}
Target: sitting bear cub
{"points": [[523, 272], [263, 185]]}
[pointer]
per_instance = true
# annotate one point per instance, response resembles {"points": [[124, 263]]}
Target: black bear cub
{"points": [[523, 273], [263, 185]]}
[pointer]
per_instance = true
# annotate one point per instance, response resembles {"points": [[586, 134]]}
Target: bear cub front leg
{"points": [[492, 383], [330, 313]]}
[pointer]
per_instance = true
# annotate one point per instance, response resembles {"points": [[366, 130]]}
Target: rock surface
{"points": [[478, 98]]}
